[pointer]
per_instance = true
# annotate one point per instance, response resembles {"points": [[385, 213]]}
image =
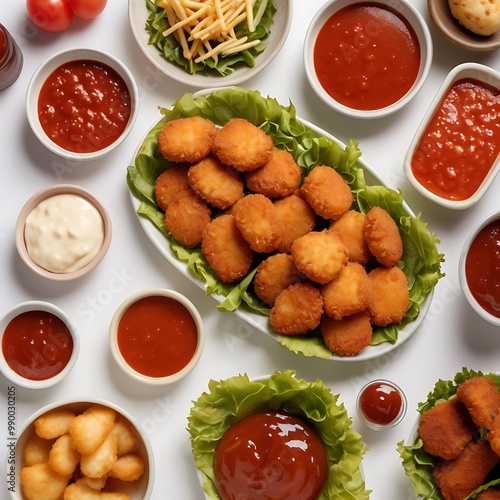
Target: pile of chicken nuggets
{"points": [[247, 203], [449, 431], [73, 456]]}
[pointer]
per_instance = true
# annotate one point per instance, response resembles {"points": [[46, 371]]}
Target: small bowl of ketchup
{"points": [[156, 336], [82, 103], [40, 345], [478, 268]]}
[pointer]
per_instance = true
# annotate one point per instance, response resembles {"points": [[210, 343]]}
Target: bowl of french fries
{"points": [[80, 449]]}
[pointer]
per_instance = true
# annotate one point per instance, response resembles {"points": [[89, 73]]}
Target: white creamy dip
{"points": [[64, 233]]}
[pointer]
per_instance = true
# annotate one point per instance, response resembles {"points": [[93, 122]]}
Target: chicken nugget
{"points": [[186, 139], [296, 218], [279, 177], [126, 439], [349, 227], [347, 293], [36, 450], [98, 463], [227, 252], [63, 457], [273, 275], [40, 482], [389, 296], [186, 217], [79, 490], [446, 429], [96, 483], [297, 309], [327, 192], [216, 183], [382, 236], [242, 145], [170, 183], [128, 468], [320, 255], [347, 336], [53, 424], [489, 494], [256, 218]]}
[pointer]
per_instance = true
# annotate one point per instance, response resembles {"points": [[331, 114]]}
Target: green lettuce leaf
{"points": [[231, 399]]}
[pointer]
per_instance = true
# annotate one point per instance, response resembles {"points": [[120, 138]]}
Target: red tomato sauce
{"points": [[461, 142], [366, 57], [380, 403], [482, 268], [11, 59], [157, 336], [84, 106], [270, 454], [37, 345]]}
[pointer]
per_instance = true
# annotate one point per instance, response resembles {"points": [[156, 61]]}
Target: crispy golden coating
{"points": [[389, 296], [297, 310], [382, 236], [320, 255], [98, 463], [63, 457], [347, 336], [186, 218], [478, 16], [256, 218], [273, 275], [216, 183], [296, 218], [277, 178], [349, 227], [53, 424], [242, 145], [446, 429], [347, 293], [82, 491], [225, 249], [327, 192], [40, 482], [170, 183], [186, 139], [36, 451], [129, 467], [489, 494]]}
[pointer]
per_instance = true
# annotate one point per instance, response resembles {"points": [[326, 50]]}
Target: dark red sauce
{"points": [[84, 106], [11, 59], [37, 345], [270, 455], [380, 403]]}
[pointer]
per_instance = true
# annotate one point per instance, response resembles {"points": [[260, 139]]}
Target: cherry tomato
{"points": [[87, 9], [50, 15]]}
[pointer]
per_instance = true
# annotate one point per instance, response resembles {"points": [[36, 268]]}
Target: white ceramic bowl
{"points": [[138, 15], [410, 13], [35, 305], [141, 489], [474, 71], [51, 64], [48, 192], [462, 274], [119, 358]]}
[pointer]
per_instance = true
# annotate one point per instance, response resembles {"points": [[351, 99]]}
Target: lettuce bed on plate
{"points": [[419, 465], [231, 399], [421, 261]]}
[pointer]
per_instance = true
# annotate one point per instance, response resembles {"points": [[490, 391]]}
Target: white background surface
{"points": [[451, 337]]}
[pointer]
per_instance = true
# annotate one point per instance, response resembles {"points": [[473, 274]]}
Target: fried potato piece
{"points": [[298, 309], [36, 450], [186, 139], [349, 227], [216, 183], [53, 424], [446, 429], [225, 249], [347, 336], [128, 467], [389, 296], [82, 491], [382, 236], [63, 457], [347, 293], [101, 461], [90, 428], [273, 275], [327, 192], [242, 145], [186, 218], [256, 218], [480, 17], [296, 218], [489, 494], [40, 482], [126, 439], [170, 183], [279, 177], [320, 255], [96, 483]]}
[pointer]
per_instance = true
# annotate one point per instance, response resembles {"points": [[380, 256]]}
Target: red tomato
{"points": [[50, 15], [87, 9]]}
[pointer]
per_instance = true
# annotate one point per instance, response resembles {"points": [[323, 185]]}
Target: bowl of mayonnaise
{"points": [[63, 232]]}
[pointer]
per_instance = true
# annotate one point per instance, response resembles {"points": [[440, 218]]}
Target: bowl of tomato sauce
{"points": [[40, 344], [367, 59], [82, 103], [156, 336]]}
